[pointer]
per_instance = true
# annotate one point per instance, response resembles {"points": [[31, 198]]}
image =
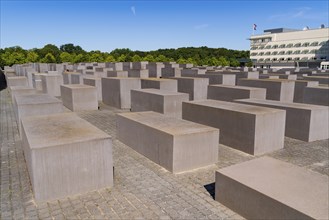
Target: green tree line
{"points": [[75, 54]]}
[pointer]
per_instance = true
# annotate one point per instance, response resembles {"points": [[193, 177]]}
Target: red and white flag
{"points": [[254, 26]]}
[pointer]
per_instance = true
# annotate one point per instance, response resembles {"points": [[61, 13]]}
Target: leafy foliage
{"points": [[71, 53]]}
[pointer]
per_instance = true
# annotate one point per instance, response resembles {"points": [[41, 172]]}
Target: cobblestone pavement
{"points": [[142, 189]]}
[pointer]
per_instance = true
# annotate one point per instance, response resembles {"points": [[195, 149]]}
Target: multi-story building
{"points": [[280, 47]]}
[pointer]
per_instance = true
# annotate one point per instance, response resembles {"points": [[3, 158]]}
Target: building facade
{"points": [[280, 48]]}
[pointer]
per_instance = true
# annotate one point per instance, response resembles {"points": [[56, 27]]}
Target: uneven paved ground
{"points": [[143, 190]]}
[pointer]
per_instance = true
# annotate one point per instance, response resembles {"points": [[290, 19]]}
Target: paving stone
{"points": [[144, 188]]}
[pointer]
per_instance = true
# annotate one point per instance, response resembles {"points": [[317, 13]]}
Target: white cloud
{"points": [[133, 10], [201, 26]]}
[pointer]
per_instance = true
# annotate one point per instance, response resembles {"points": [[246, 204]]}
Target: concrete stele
{"points": [[266, 188], [66, 155]]}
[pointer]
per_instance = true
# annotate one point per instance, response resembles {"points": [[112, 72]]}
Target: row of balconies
{"points": [[274, 53], [289, 45]]}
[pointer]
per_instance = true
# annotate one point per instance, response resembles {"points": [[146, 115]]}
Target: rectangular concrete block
{"points": [[35, 104], [320, 79], [266, 188], [76, 78], [116, 91], [254, 130], [51, 84], [174, 144], [303, 121], [22, 90], [193, 71], [96, 82], [162, 101], [171, 72], [139, 73], [316, 95], [155, 69], [229, 93], [117, 73], [300, 86], [195, 87], [276, 89], [17, 81], [79, 97], [65, 155], [156, 83]]}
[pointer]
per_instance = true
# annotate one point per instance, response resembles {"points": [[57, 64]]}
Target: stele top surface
{"points": [[167, 124], [36, 99], [274, 103], [238, 87], [236, 107], [78, 86], [59, 129], [157, 79], [294, 186], [160, 92]]}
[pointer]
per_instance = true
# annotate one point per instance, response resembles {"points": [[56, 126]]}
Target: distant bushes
{"points": [[75, 54]]}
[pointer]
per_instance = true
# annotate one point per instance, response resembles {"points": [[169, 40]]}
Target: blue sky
{"points": [[150, 25]]}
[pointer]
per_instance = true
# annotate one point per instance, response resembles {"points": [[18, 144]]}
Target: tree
{"points": [[49, 48], [223, 62], [49, 58], [149, 58], [234, 62], [136, 58], [65, 57], [32, 57], [181, 60], [70, 48], [161, 58], [121, 58], [110, 58]]}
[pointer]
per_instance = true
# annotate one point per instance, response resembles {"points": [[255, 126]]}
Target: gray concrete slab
{"points": [[156, 83], [78, 97], [66, 155], [195, 87], [96, 82], [116, 91], [303, 121], [266, 188], [276, 89], [316, 95], [174, 144], [300, 87], [162, 101], [253, 130], [51, 84], [229, 93]]}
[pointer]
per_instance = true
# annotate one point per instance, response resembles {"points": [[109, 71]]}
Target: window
{"points": [[261, 54], [304, 58], [281, 59], [306, 44], [253, 48], [274, 53], [304, 51], [253, 54], [274, 59], [289, 58], [289, 45], [313, 51], [323, 43], [267, 59], [281, 53], [261, 47], [260, 60], [297, 45], [268, 53], [296, 58], [275, 46], [314, 43], [297, 52], [268, 47], [282, 46], [289, 52]]}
